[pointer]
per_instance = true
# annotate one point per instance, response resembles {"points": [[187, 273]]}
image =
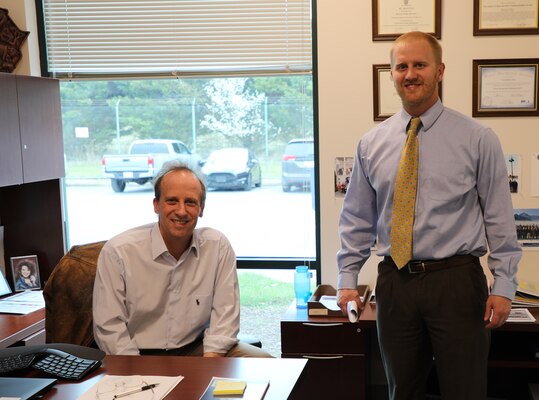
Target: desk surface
{"points": [[197, 372], [367, 319], [14, 327]]}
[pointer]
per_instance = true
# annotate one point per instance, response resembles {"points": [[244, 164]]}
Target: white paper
{"points": [[351, 308], [330, 302], [23, 302], [165, 385], [520, 315]]}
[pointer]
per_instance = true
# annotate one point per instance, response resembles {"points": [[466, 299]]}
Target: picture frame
{"points": [[392, 18], [386, 100], [25, 273], [495, 17], [506, 87]]}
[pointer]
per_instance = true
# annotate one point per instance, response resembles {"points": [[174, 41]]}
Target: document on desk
{"points": [[132, 387], [23, 302], [520, 315]]}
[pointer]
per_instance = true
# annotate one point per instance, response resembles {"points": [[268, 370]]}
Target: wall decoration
{"points": [[512, 17], [504, 88], [392, 18], [514, 171], [25, 273], [343, 169], [11, 40], [527, 223], [534, 189]]}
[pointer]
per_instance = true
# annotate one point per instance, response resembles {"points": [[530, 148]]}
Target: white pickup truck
{"points": [[144, 159]]}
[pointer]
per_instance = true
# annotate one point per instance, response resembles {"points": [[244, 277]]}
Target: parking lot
{"points": [[263, 222]]}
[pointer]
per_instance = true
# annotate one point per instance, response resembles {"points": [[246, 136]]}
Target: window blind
{"points": [[180, 37]]}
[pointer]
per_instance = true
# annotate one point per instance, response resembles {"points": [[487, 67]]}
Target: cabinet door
{"points": [[10, 143], [40, 120]]}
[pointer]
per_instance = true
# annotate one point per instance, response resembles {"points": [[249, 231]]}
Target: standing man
{"points": [[433, 211], [166, 287]]}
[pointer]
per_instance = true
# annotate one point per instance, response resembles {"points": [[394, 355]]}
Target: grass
{"points": [[263, 302]]}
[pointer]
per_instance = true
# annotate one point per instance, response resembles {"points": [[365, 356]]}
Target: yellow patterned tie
{"points": [[402, 222]]}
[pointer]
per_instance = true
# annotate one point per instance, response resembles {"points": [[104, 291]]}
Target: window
{"points": [[210, 75]]}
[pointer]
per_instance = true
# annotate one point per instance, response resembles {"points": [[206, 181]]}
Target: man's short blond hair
{"points": [[416, 36]]}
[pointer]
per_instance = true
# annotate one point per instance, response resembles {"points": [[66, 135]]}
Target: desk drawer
{"points": [[322, 338]]}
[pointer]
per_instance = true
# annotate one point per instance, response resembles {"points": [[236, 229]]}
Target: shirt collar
{"points": [[159, 247], [428, 118]]}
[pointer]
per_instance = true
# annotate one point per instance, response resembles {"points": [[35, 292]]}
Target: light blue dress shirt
{"points": [[463, 203]]}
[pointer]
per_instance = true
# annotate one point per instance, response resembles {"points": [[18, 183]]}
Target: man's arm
{"points": [[109, 311], [225, 315], [498, 214]]}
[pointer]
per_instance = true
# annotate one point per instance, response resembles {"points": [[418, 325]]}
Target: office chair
{"points": [[68, 298]]}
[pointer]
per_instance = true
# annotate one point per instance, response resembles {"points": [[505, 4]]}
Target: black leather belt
{"points": [[421, 266]]}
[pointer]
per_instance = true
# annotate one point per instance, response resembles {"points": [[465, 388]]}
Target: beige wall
{"points": [[23, 14], [346, 54]]}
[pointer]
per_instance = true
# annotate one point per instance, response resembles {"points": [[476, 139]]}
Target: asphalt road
{"points": [[264, 222]]}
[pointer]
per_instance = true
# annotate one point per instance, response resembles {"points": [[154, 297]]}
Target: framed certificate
{"points": [[506, 17], [392, 18], [386, 100], [504, 88]]}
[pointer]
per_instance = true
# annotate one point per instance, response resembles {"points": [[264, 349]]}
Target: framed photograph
{"points": [[527, 224], [503, 88], [386, 100], [505, 17], [392, 18], [25, 273]]}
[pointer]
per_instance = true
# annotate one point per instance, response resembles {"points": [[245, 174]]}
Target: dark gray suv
{"points": [[297, 164]]}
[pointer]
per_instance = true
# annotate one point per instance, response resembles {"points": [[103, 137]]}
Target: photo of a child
{"points": [[25, 273]]}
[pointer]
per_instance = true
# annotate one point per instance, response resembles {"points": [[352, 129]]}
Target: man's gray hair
{"points": [[177, 165]]}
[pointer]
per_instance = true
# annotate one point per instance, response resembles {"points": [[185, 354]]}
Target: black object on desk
{"points": [[24, 388]]}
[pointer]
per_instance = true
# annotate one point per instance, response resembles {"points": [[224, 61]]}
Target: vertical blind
{"points": [[180, 37]]}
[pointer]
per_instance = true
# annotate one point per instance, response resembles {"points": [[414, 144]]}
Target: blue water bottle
{"points": [[302, 286]]}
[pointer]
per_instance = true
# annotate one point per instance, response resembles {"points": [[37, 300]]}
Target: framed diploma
{"points": [[504, 88], [506, 17], [386, 99], [392, 18]]}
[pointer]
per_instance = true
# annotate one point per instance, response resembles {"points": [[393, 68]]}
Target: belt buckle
{"points": [[416, 267]]}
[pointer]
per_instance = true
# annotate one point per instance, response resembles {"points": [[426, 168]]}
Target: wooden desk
{"points": [[197, 372], [342, 352], [29, 328], [338, 352]]}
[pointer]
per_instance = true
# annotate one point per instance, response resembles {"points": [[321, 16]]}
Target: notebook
{"points": [[24, 388]]}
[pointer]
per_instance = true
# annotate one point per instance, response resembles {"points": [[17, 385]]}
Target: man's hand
{"points": [[212, 354], [499, 308], [346, 295]]}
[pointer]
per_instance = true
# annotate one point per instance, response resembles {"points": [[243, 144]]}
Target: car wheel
{"points": [[248, 183], [118, 185], [286, 188]]}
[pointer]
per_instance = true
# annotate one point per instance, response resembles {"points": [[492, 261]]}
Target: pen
{"points": [[140, 389]]}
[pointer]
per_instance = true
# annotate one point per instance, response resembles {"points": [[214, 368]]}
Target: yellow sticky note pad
{"points": [[229, 387]]}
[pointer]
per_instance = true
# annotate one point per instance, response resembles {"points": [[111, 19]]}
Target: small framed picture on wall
{"points": [[25, 273], [495, 17]]}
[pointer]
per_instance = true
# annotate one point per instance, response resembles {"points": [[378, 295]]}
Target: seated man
{"points": [[166, 287]]}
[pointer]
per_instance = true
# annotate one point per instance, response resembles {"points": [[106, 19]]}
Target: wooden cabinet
{"points": [[31, 143], [31, 168], [337, 351]]}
